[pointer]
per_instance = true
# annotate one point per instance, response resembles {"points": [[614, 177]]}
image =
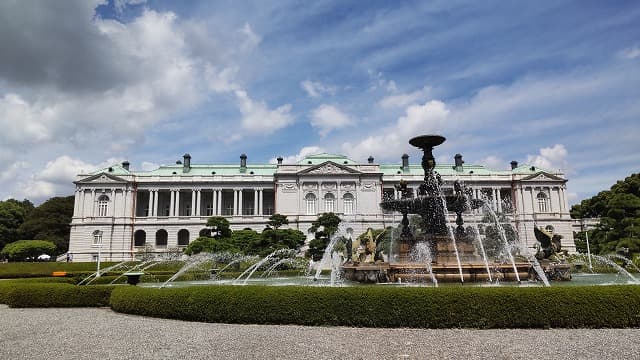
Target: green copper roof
{"points": [[270, 169], [324, 157]]}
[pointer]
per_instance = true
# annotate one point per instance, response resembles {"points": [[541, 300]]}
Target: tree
{"points": [[272, 240], [12, 214], [277, 220], [211, 245], [619, 212], [323, 228], [220, 227], [51, 221], [24, 250]]}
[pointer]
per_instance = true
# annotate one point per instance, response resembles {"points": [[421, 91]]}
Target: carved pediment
{"points": [[543, 176], [328, 168], [102, 178]]}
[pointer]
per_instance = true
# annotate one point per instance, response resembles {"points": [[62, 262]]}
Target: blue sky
{"points": [[84, 84]]}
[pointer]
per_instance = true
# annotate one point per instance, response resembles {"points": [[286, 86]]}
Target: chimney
{"points": [[458, 162], [405, 163], [243, 163], [279, 160], [370, 160], [125, 165], [514, 164], [186, 164]]}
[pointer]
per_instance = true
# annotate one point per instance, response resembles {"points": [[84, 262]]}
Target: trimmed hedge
{"points": [[14, 270], [7, 285], [379, 306], [25, 295]]}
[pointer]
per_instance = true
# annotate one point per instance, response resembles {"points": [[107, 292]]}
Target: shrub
{"points": [[24, 295], [562, 307], [23, 250]]}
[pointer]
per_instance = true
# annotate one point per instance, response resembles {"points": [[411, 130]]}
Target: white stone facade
{"points": [[167, 208]]}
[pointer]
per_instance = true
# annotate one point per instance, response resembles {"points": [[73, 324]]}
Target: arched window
{"points": [[139, 238], [103, 205], [543, 202], [329, 202], [348, 203], [161, 237], [183, 237], [310, 201]]}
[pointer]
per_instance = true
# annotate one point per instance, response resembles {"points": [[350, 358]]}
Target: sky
{"points": [[86, 84]]}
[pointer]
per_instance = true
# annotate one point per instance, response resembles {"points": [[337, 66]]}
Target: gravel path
{"points": [[86, 333]]}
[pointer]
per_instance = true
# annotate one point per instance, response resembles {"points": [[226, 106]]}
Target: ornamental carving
{"points": [[368, 186], [310, 186], [289, 187], [348, 186], [328, 169], [329, 186]]}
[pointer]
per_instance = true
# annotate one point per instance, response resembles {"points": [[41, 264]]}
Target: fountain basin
{"points": [[133, 278], [447, 273]]}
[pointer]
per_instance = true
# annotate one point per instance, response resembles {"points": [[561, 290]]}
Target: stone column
{"points": [[177, 210], [150, 206], [260, 201], [76, 202], [499, 200], [219, 199], [198, 201], [193, 202], [155, 203], [172, 202], [235, 201], [93, 202], [214, 202], [240, 202], [255, 201]]}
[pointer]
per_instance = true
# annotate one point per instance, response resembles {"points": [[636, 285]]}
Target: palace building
{"points": [[118, 211]]}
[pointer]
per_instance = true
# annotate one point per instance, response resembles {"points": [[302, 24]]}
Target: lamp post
{"points": [[98, 240]]}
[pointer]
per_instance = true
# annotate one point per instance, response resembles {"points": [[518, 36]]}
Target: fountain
{"points": [[452, 254]]}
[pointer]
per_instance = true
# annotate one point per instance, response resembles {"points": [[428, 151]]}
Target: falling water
{"points": [[192, 262], [252, 269], [484, 254], [274, 266], [505, 243], [451, 235], [620, 269], [142, 264], [421, 253], [476, 235], [94, 276], [327, 256], [626, 261]]}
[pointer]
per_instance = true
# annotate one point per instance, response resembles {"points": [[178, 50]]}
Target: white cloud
{"points": [[304, 152], [120, 5], [148, 166], [493, 162], [57, 175], [316, 89], [402, 100], [258, 118], [328, 117], [251, 38], [13, 170], [552, 158], [418, 119], [630, 52]]}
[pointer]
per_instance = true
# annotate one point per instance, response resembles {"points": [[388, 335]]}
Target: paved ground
{"points": [[84, 333]]}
